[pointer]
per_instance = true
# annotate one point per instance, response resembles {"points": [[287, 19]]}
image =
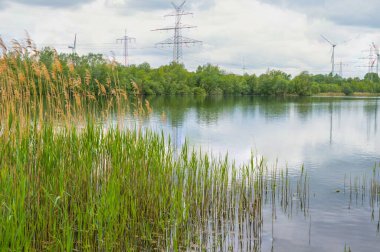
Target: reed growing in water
{"points": [[364, 189], [122, 190], [65, 187]]}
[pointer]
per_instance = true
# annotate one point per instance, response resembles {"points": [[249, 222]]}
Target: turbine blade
{"points": [[349, 40], [328, 41]]}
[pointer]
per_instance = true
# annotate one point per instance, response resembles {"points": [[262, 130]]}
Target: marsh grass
{"points": [[122, 190], [67, 184], [32, 93], [363, 190]]}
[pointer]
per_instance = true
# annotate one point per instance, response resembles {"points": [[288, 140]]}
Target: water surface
{"points": [[335, 139]]}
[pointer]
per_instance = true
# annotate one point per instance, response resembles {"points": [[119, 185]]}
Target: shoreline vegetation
{"points": [[67, 184], [175, 79], [102, 76], [125, 190]]}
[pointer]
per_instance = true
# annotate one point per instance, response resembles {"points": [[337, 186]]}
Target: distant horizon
{"points": [[205, 64], [256, 35]]}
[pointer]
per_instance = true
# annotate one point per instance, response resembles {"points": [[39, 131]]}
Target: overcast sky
{"points": [[260, 34]]}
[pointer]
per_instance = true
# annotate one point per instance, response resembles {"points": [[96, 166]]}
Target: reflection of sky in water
{"points": [[316, 134], [330, 136]]}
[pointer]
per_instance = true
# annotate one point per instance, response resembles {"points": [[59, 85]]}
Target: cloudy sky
{"points": [[257, 34]]}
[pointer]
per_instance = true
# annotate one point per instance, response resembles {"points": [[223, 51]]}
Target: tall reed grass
{"points": [[122, 190], [364, 189], [65, 188], [30, 91]]}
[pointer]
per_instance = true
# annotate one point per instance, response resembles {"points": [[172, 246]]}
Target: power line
{"points": [[373, 59], [126, 39], [177, 41], [341, 65], [377, 54]]}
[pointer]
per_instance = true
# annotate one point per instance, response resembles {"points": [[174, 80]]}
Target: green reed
{"points": [[125, 190], [364, 188], [69, 185]]}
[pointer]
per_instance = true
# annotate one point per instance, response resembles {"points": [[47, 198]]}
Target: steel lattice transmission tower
{"points": [[377, 57], [125, 40], [178, 41], [341, 65]]}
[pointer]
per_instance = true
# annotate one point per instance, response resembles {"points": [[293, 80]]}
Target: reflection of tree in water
{"points": [[175, 108], [304, 107], [272, 108], [208, 110]]}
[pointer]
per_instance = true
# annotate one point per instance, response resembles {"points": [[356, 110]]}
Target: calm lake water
{"points": [[334, 138]]}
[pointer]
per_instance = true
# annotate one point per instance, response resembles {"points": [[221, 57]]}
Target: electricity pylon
{"points": [[126, 40], [178, 41]]}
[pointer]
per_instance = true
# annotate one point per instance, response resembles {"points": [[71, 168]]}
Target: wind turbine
{"points": [[333, 54], [377, 57], [74, 46]]}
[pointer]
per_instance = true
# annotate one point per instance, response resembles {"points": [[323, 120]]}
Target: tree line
{"points": [[175, 79]]}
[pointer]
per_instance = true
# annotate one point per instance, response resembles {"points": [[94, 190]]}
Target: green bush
{"points": [[347, 89], [198, 91]]}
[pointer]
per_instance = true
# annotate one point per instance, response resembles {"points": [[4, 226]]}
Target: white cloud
{"points": [[233, 31], [158, 4], [344, 12], [47, 3]]}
